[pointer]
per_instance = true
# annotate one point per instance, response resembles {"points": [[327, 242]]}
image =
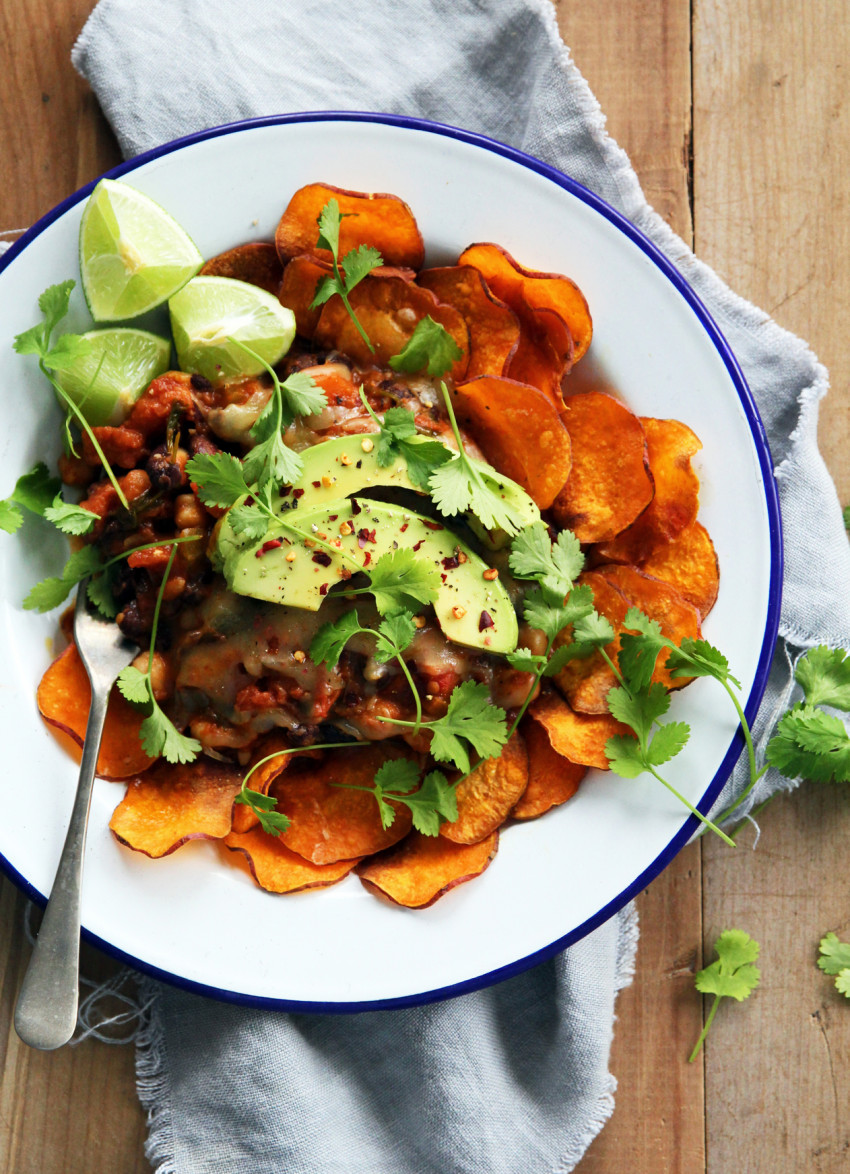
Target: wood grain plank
{"points": [[772, 147], [658, 1121]]}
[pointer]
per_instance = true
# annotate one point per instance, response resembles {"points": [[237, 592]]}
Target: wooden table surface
{"points": [[735, 115]]}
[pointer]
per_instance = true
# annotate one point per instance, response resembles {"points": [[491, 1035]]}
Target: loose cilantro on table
{"points": [[159, 735], [732, 975], [835, 960], [66, 351], [349, 272], [430, 348]]}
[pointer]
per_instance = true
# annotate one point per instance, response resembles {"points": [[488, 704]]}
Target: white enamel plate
{"points": [[192, 919]]}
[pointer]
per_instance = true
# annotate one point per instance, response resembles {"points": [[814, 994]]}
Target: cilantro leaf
{"points": [[36, 490], [53, 304], [625, 756], [732, 975], [810, 744], [397, 438], [555, 566], [698, 658], [639, 710], [667, 741], [11, 518], [327, 645], [70, 519], [433, 804], [430, 348], [65, 352], [133, 685], [639, 650], [401, 581], [272, 821], [100, 593], [399, 775], [550, 618], [525, 661], [834, 955], [356, 264], [271, 462], [302, 395], [824, 676], [49, 593], [219, 477], [395, 633], [249, 521], [359, 263], [470, 718]]}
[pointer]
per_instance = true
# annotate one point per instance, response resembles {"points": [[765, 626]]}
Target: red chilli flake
{"points": [[272, 544], [323, 590], [486, 621], [333, 517], [355, 508], [364, 536], [434, 526], [367, 558], [323, 559], [296, 493], [444, 577], [316, 484], [418, 544], [451, 562]]}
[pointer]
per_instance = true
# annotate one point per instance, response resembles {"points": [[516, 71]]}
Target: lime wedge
{"points": [[133, 255], [208, 313], [119, 365]]}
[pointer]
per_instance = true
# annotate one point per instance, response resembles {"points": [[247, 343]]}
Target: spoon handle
{"points": [[46, 1011]]}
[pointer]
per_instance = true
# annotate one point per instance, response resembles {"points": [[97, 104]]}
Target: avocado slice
{"points": [[349, 464], [471, 610]]}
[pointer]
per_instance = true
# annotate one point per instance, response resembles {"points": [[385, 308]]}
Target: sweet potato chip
{"points": [[670, 446], [552, 779], [485, 799], [373, 218], [662, 603], [64, 700], [172, 803], [277, 869], [580, 737], [389, 307], [499, 412], [298, 288], [610, 484], [542, 291], [585, 681], [493, 326], [330, 820], [689, 564], [422, 868], [256, 263]]}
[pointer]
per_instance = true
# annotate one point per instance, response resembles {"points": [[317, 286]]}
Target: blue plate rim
{"points": [[754, 421]]}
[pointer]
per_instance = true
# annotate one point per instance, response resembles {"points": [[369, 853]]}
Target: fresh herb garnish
{"points": [[396, 441], [732, 975], [835, 959], [458, 486], [355, 265], [430, 348], [810, 743], [67, 350], [431, 803], [159, 735]]}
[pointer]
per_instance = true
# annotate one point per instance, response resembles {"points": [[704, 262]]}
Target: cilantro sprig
{"points": [[396, 433], [430, 348], [458, 486], [733, 975], [431, 802], [159, 735], [835, 960], [348, 273], [61, 355]]}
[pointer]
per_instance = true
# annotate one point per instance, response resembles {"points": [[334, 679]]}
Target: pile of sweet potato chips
{"points": [[622, 483]]}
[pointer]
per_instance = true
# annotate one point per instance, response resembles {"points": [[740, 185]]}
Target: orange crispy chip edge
{"points": [[670, 447], [277, 869], [172, 803], [485, 799], [378, 219], [689, 564], [64, 700], [493, 326], [580, 737], [520, 432], [422, 869], [610, 484], [257, 263], [330, 820], [552, 779]]}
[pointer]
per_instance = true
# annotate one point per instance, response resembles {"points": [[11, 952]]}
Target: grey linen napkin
{"points": [[513, 1078]]}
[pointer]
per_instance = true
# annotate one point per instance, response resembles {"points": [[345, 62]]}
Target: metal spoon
{"points": [[46, 1012]]}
